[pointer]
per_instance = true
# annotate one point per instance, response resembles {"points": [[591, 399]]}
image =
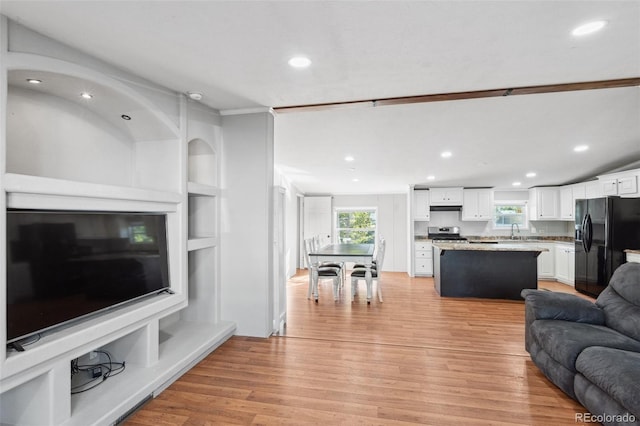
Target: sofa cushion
{"points": [[620, 301], [616, 372], [556, 372], [601, 405], [564, 340]]}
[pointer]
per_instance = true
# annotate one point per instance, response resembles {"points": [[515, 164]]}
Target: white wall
{"points": [[392, 223], [246, 232]]}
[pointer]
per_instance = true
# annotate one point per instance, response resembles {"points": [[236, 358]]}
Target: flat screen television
{"points": [[65, 265]]}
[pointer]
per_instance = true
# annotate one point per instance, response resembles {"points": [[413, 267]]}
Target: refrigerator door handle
{"points": [[589, 232], [583, 235]]}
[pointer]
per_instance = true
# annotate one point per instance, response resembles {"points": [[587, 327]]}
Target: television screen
{"points": [[63, 265]]}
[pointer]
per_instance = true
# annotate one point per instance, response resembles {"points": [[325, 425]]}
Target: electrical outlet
{"points": [[93, 355]]}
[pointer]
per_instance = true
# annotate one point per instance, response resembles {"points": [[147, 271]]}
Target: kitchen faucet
{"points": [[513, 237]]}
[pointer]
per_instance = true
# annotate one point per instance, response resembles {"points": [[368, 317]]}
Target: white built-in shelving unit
{"points": [[66, 153]]}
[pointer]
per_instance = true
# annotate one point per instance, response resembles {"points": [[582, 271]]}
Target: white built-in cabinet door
{"points": [[477, 204], [568, 196], [609, 186], [317, 218], [593, 189], [421, 204], [565, 263], [620, 185], [566, 202], [562, 264], [627, 185], [571, 254], [544, 204], [423, 258], [445, 196], [546, 261]]}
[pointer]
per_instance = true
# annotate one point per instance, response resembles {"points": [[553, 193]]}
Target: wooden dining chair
{"points": [[317, 272], [343, 274], [376, 272]]}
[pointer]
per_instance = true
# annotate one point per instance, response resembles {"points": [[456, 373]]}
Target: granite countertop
{"points": [[632, 251], [490, 247]]}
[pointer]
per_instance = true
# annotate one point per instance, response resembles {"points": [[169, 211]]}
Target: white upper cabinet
{"points": [[566, 202], [446, 196], [624, 184], [568, 196], [477, 204], [593, 189], [421, 204], [544, 203]]}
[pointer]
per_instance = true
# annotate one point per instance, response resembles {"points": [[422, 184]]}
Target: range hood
{"points": [[445, 208]]}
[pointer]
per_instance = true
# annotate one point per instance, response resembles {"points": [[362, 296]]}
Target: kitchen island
{"points": [[495, 271]]}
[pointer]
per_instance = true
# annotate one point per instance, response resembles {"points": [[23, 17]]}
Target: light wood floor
{"points": [[414, 359]]}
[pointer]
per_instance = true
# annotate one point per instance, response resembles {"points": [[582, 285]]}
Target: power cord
{"points": [[99, 372]]}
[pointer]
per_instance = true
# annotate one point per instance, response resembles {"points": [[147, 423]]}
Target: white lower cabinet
{"points": [[546, 262], [423, 260], [565, 258]]}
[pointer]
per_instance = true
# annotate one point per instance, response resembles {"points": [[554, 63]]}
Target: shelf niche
{"points": [[53, 132], [202, 163]]}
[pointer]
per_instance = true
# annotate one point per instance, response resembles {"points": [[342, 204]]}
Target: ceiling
{"points": [[235, 53]]}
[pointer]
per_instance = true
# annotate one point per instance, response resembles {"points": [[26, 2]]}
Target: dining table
{"points": [[342, 252]]}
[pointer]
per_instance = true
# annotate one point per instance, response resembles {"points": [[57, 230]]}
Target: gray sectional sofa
{"points": [[591, 350]]}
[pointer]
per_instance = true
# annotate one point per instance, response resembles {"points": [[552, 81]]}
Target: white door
{"points": [[317, 218], [279, 252]]}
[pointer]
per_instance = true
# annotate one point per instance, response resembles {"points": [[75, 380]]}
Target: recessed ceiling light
{"points": [[86, 95], [581, 148], [446, 154], [300, 62], [431, 177], [125, 117], [531, 174], [352, 169], [34, 81], [516, 183], [349, 158], [588, 28], [195, 96], [356, 180]]}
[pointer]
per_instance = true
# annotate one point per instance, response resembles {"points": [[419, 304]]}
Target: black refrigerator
{"points": [[604, 228]]}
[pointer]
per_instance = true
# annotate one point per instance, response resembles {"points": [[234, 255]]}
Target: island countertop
{"points": [[490, 246]]}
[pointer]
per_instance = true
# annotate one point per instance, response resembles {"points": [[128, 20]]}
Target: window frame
{"points": [[336, 222], [522, 203]]}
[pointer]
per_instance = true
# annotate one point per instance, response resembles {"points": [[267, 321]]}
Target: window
{"points": [[507, 213], [357, 226]]}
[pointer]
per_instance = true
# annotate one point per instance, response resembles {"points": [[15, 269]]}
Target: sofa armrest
{"points": [[541, 304], [544, 304]]}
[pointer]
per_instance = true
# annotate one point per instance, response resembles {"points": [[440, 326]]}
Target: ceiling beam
{"points": [[509, 91]]}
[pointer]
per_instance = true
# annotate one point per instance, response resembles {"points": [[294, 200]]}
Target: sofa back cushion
{"points": [[620, 301]]}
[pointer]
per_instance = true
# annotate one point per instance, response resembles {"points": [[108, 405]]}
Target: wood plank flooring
{"points": [[414, 359]]}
